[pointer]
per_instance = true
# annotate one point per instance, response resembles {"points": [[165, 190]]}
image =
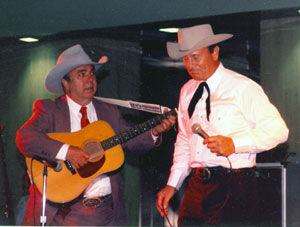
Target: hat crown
{"points": [[67, 61], [194, 38], [74, 53], [189, 37]]}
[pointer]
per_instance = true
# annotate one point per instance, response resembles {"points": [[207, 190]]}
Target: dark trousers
{"points": [[74, 214], [228, 198]]}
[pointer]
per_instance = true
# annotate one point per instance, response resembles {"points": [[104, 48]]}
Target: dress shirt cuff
{"points": [[242, 144], [177, 178], [61, 155], [155, 138]]}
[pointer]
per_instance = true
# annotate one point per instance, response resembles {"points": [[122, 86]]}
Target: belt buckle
{"points": [[93, 202], [203, 173]]}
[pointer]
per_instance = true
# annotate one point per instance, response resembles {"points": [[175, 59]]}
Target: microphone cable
{"points": [[166, 216]]}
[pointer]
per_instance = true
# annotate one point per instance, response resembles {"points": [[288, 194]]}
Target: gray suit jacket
{"points": [[53, 116]]}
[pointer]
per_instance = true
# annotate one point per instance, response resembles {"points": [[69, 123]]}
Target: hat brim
{"points": [[175, 52], [54, 77]]}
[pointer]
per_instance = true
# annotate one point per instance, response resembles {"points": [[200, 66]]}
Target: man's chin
{"points": [[89, 93]]}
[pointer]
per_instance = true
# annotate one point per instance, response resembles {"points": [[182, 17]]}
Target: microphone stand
{"points": [[43, 219]]}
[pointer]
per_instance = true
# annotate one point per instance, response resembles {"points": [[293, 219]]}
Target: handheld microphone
{"points": [[196, 128], [54, 165]]}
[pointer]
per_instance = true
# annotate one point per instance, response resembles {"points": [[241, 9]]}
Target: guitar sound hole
{"points": [[94, 149]]}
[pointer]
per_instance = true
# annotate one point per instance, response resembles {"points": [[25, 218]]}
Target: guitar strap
{"points": [[148, 107]]}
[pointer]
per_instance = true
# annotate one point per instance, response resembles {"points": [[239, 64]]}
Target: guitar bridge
{"points": [[70, 167]]}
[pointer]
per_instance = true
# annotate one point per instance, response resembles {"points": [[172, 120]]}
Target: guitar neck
{"points": [[124, 136]]}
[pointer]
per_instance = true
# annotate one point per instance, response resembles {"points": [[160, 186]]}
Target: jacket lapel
{"points": [[62, 123]]}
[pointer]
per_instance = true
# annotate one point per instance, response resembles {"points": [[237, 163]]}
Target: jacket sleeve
{"points": [[32, 139]]}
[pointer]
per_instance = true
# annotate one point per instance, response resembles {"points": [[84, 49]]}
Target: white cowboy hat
{"points": [[68, 60], [194, 38]]}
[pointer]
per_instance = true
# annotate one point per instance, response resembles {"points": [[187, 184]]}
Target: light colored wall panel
{"points": [[280, 71]]}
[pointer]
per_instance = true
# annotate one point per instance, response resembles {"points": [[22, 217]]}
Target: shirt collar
{"points": [[214, 80], [75, 107]]}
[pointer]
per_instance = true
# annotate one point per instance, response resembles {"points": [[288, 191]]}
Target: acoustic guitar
{"points": [[106, 155]]}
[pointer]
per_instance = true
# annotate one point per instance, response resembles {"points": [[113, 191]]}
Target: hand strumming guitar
{"points": [[77, 156]]}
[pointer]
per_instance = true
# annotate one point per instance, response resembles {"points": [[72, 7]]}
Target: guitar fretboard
{"points": [[124, 136]]}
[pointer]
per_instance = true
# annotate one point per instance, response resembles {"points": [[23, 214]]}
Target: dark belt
{"points": [[93, 202], [207, 173], [65, 208]]}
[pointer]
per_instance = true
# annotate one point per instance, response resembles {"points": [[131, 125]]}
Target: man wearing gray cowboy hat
{"points": [[224, 120], [101, 202]]}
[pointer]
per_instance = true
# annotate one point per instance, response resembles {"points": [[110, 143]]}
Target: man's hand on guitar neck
{"points": [[77, 156], [165, 125]]}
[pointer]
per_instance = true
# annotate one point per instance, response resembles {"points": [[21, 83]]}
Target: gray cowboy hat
{"points": [[68, 60], [194, 38]]}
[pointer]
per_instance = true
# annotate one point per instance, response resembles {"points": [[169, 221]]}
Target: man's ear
{"points": [[65, 84], [215, 53]]}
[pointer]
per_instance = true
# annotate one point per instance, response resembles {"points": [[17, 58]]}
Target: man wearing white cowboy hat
{"points": [[224, 120], [101, 202]]}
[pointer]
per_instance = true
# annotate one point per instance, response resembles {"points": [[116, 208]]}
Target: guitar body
{"points": [[106, 155], [63, 186]]}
